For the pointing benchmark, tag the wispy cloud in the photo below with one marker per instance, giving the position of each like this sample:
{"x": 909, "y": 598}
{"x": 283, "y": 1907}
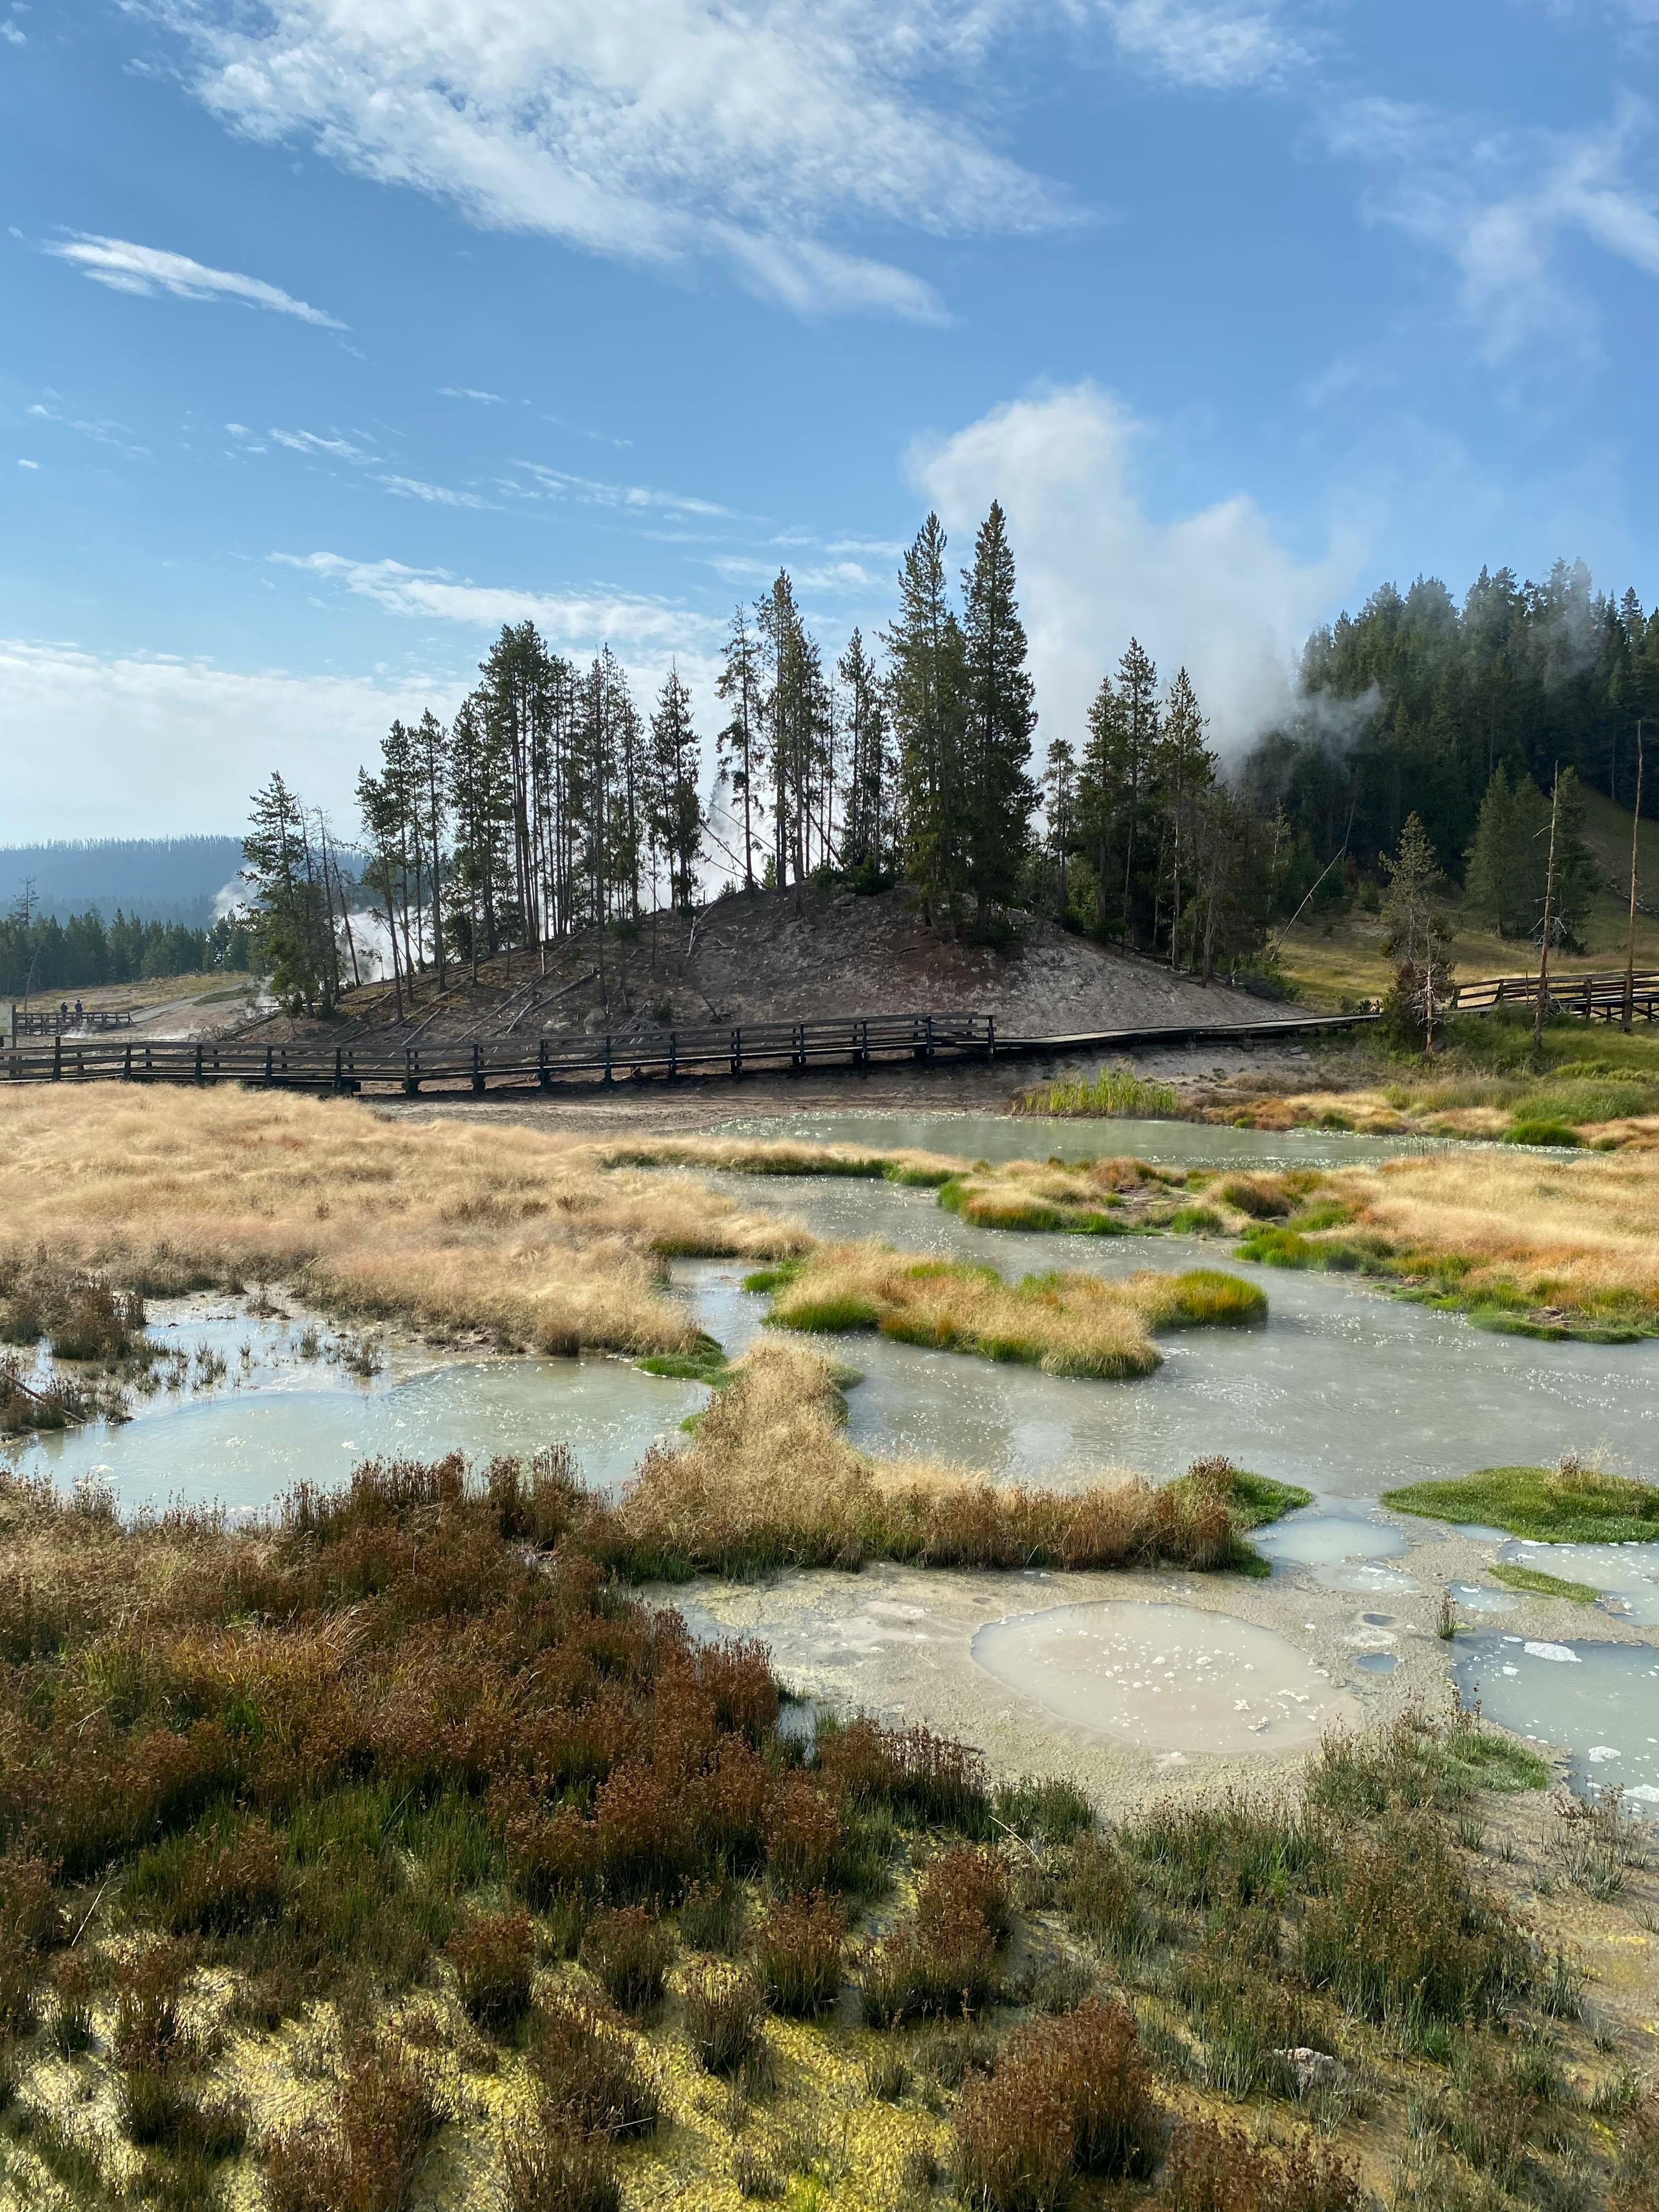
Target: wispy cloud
{"x": 102, "y": 432}
{"x": 584, "y": 619}
{"x": 466, "y": 392}
{"x": 1218, "y": 47}
{"x": 336, "y": 447}
{"x": 590, "y": 491}
{"x": 1504, "y": 207}
{"x": 434, "y": 495}
{"x": 665, "y": 131}
{"x": 147, "y": 271}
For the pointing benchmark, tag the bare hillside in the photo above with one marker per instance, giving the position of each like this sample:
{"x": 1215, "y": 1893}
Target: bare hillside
{"x": 784, "y": 956}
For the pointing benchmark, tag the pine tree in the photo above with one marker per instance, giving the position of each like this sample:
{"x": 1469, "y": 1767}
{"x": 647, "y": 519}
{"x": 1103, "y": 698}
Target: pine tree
{"x": 997, "y": 795}
{"x": 1416, "y": 935}
{"x": 293, "y": 924}
{"x": 926, "y": 688}
{"x": 742, "y": 744}
{"x": 1183, "y": 769}
{"x": 1060, "y": 815}
{"x": 678, "y": 821}
{"x": 869, "y": 826}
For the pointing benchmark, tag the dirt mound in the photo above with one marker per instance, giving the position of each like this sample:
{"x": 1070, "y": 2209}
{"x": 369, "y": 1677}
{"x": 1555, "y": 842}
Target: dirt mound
{"x": 795, "y": 957}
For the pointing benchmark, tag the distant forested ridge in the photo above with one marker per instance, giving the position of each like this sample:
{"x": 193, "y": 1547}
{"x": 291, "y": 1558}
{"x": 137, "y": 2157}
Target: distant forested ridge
{"x": 48, "y": 957}
{"x": 1414, "y": 704}
{"x": 148, "y": 878}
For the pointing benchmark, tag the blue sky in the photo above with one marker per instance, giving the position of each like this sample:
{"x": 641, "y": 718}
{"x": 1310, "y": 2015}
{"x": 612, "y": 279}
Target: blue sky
{"x": 335, "y": 332}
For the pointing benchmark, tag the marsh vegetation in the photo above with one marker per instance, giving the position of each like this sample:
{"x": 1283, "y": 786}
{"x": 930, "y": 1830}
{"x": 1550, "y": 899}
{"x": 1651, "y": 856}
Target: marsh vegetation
{"x": 392, "y": 1842}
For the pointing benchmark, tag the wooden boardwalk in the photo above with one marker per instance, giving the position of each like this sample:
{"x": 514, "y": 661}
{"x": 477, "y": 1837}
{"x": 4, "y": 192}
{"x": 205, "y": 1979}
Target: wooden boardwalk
{"x": 1597, "y": 996}
{"x": 855, "y": 1043}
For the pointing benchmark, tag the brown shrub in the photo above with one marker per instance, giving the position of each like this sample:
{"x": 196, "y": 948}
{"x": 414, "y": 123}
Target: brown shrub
{"x": 724, "y": 2014}
{"x": 494, "y": 1956}
{"x": 370, "y": 2158}
{"x": 798, "y": 1948}
{"x": 912, "y": 1771}
{"x": 803, "y": 1833}
{"x": 1213, "y": 2167}
{"x": 963, "y": 1878}
{"x": 629, "y": 1951}
{"x": 550, "y": 2169}
{"x": 148, "y": 2029}
{"x": 593, "y": 2079}
{"x": 1069, "y": 2095}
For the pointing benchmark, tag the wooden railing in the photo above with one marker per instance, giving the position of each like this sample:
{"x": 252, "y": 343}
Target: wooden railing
{"x": 1597, "y": 996}
{"x": 54, "y": 1020}
{"x": 725, "y": 1049}
{"x": 854, "y": 1041}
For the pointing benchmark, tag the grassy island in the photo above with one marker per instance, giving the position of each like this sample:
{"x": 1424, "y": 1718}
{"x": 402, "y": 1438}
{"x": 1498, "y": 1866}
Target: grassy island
{"x": 1566, "y": 1505}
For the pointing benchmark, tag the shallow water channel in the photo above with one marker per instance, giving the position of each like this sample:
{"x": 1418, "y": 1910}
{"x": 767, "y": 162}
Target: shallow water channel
{"x": 1345, "y": 1391}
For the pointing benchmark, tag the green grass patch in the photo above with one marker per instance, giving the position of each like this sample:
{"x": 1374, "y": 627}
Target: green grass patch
{"x": 1195, "y": 1221}
{"x": 1514, "y": 1576}
{"x": 1568, "y": 1504}
{"x": 1209, "y": 1297}
{"x": 706, "y": 1363}
{"x": 1255, "y": 1499}
{"x": 774, "y": 1278}
{"x": 1113, "y": 1091}
{"x": 1540, "y": 1133}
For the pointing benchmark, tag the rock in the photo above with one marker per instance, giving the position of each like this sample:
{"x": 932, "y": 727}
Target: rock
{"x": 1314, "y": 2069}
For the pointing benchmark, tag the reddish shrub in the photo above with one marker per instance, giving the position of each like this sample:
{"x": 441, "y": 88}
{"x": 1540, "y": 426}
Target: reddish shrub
{"x": 494, "y": 1956}
{"x": 723, "y": 2012}
{"x": 550, "y": 2169}
{"x": 593, "y": 2079}
{"x": 798, "y": 1948}
{"x": 629, "y": 1951}
{"x": 962, "y": 1880}
{"x": 1071, "y": 2094}
{"x": 803, "y": 1832}
{"x": 370, "y": 2159}
{"x": 1213, "y": 2167}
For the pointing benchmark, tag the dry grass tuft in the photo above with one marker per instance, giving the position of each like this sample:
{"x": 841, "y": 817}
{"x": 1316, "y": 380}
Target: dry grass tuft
{"x": 450, "y": 1225}
{"x": 1066, "y": 1324}
{"x": 769, "y": 1481}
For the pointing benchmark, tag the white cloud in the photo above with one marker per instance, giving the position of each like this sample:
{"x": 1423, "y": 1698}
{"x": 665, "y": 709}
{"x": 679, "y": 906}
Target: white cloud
{"x": 466, "y": 392}
{"x": 1215, "y": 591}
{"x": 12, "y": 35}
{"x": 665, "y": 131}
{"x": 82, "y": 734}
{"x": 312, "y": 441}
{"x": 102, "y": 432}
{"x": 1219, "y": 48}
{"x": 435, "y": 495}
{"x": 581, "y": 621}
{"x": 560, "y": 484}
{"x": 1504, "y": 207}
{"x": 147, "y": 270}
{"x": 28, "y": 464}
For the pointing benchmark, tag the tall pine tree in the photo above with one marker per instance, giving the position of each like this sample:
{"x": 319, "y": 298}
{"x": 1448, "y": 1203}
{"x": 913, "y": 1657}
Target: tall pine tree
{"x": 997, "y": 795}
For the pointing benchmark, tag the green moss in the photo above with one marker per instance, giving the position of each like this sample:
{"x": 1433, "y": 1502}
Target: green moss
{"x": 774, "y": 1278}
{"x": 1255, "y": 1499}
{"x": 828, "y": 1315}
{"x": 1571, "y": 1506}
{"x": 1515, "y": 1577}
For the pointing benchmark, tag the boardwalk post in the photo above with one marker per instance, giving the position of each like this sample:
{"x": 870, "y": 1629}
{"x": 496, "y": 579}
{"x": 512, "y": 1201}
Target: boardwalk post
{"x": 673, "y": 1053}
{"x": 58, "y": 1056}
{"x": 127, "y": 1064}
{"x": 990, "y": 1037}
{"x": 198, "y": 1062}
{"x": 607, "y": 1061}
{"x": 737, "y": 1052}
{"x": 411, "y": 1074}
{"x": 339, "y": 1070}
{"x": 267, "y": 1064}
{"x": 544, "y": 1073}
{"x": 478, "y": 1067}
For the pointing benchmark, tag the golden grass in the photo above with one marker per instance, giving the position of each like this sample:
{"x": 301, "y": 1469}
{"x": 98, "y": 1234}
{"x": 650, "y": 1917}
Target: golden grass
{"x": 1064, "y": 1323}
{"x": 770, "y": 1481}
{"x": 453, "y": 1226}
